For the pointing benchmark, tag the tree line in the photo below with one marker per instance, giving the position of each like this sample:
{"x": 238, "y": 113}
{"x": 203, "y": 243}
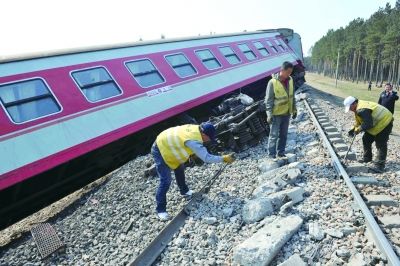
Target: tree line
{"x": 363, "y": 51}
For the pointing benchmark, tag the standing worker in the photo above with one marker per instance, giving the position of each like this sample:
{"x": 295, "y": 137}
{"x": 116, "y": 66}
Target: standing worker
{"x": 280, "y": 104}
{"x": 172, "y": 149}
{"x": 369, "y": 85}
{"x": 376, "y": 122}
{"x": 388, "y": 98}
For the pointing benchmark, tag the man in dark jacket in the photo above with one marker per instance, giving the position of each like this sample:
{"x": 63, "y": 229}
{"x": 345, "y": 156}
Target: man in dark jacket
{"x": 388, "y": 97}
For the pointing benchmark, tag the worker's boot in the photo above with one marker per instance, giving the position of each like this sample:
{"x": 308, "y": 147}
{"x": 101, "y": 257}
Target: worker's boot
{"x": 379, "y": 166}
{"x": 380, "y": 161}
{"x": 367, "y": 155}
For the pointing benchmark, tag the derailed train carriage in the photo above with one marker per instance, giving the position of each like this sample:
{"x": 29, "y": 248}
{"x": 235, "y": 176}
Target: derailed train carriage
{"x": 68, "y": 118}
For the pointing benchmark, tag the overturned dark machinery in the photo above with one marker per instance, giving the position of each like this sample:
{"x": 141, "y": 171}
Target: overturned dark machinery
{"x": 242, "y": 127}
{"x": 239, "y": 126}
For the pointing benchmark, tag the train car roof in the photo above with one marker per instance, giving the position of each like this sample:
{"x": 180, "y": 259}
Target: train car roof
{"x": 286, "y": 32}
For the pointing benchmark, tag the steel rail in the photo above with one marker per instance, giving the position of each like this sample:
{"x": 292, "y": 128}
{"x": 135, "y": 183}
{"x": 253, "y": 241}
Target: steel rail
{"x": 380, "y": 239}
{"x": 149, "y": 255}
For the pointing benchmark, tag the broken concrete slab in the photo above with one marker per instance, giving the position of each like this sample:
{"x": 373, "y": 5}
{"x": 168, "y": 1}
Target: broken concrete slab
{"x": 298, "y": 165}
{"x": 291, "y": 157}
{"x": 294, "y": 260}
{"x": 356, "y": 168}
{"x": 271, "y": 174}
{"x": 267, "y": 165}
{"x": 390, "y": 221}
{"x": 288, "y": 177}
{"x": 292, "y": 175}
{"x": 262, "y": 247}
{"x": 357, "y": 260}
{"x": 336, "y": 140}
{"x": 281, "y": 179}
{"x": 365, "y": 180}
{"x": 351, "y": 156}
{"x": 334, "y": 233}
{"x": 256, "y": 209}
{"x": 315, "y": 231}
{"x": 265, "y": 189}
{"x": 348, "y": 230}
{"x": 333, "y": 134}
{"x": 279, "y": 198}
{"x": 339, "y": 147}
{"x": 375, "y": 200}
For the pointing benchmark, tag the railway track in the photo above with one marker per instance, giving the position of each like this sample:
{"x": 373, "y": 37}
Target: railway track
{"x": 322, "y": 123}
{"x": 150, "y": 241}
{"x": 154, "y": 249}
{"x": 150, "y": 254}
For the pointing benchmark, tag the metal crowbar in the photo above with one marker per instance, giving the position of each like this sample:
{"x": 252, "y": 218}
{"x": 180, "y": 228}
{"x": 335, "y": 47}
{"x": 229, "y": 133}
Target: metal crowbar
{"x": 351, "y": 144}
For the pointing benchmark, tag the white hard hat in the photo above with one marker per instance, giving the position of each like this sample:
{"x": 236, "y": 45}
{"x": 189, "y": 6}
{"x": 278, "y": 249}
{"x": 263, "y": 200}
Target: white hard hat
{"x": 347, "y": 102}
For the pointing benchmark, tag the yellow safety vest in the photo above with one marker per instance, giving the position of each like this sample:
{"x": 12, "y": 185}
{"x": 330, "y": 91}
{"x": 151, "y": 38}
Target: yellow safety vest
{"x": 283, "y": 103}
{"x": 381, "y": 117}
{"x": 171, "y": 143}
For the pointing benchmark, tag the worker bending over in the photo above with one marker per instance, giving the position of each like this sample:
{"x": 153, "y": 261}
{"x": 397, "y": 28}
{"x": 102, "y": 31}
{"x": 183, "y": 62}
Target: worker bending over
{"x": 172, "y": 149}
{"x": 376, "y": 122}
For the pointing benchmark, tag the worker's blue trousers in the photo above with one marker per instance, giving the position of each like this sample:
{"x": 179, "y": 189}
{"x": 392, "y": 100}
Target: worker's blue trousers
{"x": 164, "y": 173}
{"x": 278, "y": 135}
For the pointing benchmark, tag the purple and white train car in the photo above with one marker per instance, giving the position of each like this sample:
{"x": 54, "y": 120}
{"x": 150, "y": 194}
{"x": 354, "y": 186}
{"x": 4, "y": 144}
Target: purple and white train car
{"x": 67, "y": 118}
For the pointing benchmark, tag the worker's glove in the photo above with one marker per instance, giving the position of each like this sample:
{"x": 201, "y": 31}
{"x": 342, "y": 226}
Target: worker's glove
{"x": 351, "y": 132}
{"x": 229, "y": 158}
{"x": 294, "y": 115}
{"x": 269, "y": 120}
{"x": 357, "y": 130}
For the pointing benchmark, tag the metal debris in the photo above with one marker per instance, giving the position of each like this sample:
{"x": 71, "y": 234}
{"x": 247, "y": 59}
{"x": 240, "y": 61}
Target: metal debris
{"x": 46, "y": 239}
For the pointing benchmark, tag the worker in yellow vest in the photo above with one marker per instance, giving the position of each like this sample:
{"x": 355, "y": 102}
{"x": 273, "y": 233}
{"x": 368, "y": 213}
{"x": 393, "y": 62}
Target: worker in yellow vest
{"x": 280, "y": 105}
{"x": 376, "y": 122}
{"x": 172, "y": 149}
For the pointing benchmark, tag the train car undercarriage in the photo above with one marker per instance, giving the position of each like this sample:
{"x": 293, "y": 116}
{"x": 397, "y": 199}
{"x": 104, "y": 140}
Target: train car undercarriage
{"x": 237, "y": 129}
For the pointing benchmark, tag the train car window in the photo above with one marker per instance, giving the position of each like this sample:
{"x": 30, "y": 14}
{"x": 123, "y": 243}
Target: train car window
{"x": 282, "y": 44}
{"x": 145, "y": 73}
{"x": 260, "y": 47}
{"x": 96, "y": 84}
{"x": 208, "y": 59}
{"x": 181, "y": 65}
{"x": 247, "y": 51}
{"x": 272, "y": 46}
{"x": 230, "y": 55}
{"x": 28, "y": 100}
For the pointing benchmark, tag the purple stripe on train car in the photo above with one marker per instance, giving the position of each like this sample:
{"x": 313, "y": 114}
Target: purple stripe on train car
{"x": 49, "y": 162}
{"x": 73, "y": 101}
{"x": 122, "y": 100}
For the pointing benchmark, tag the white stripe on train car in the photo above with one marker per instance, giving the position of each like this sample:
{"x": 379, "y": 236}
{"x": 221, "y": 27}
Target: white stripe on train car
{"x": 18, "y": 67}
{"x": 33, "y": 146}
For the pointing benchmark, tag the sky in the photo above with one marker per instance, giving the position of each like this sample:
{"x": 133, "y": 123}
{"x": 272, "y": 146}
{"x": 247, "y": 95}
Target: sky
{"x": 30, "y": 26}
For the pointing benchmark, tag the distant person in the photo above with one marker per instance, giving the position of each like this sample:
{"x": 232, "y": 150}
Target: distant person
{"x": 280, "y": 104}
{"x": 376, "y": 122}
{"x": 369, "y": 85}
{"x": 388, "y": 97}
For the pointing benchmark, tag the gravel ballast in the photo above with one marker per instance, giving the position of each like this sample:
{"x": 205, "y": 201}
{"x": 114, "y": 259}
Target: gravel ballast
{"x": 115, "y": 222}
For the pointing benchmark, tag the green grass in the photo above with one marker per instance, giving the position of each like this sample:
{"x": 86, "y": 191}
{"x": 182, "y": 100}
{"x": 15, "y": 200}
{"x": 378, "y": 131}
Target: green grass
{"x": 346, "y": 88}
